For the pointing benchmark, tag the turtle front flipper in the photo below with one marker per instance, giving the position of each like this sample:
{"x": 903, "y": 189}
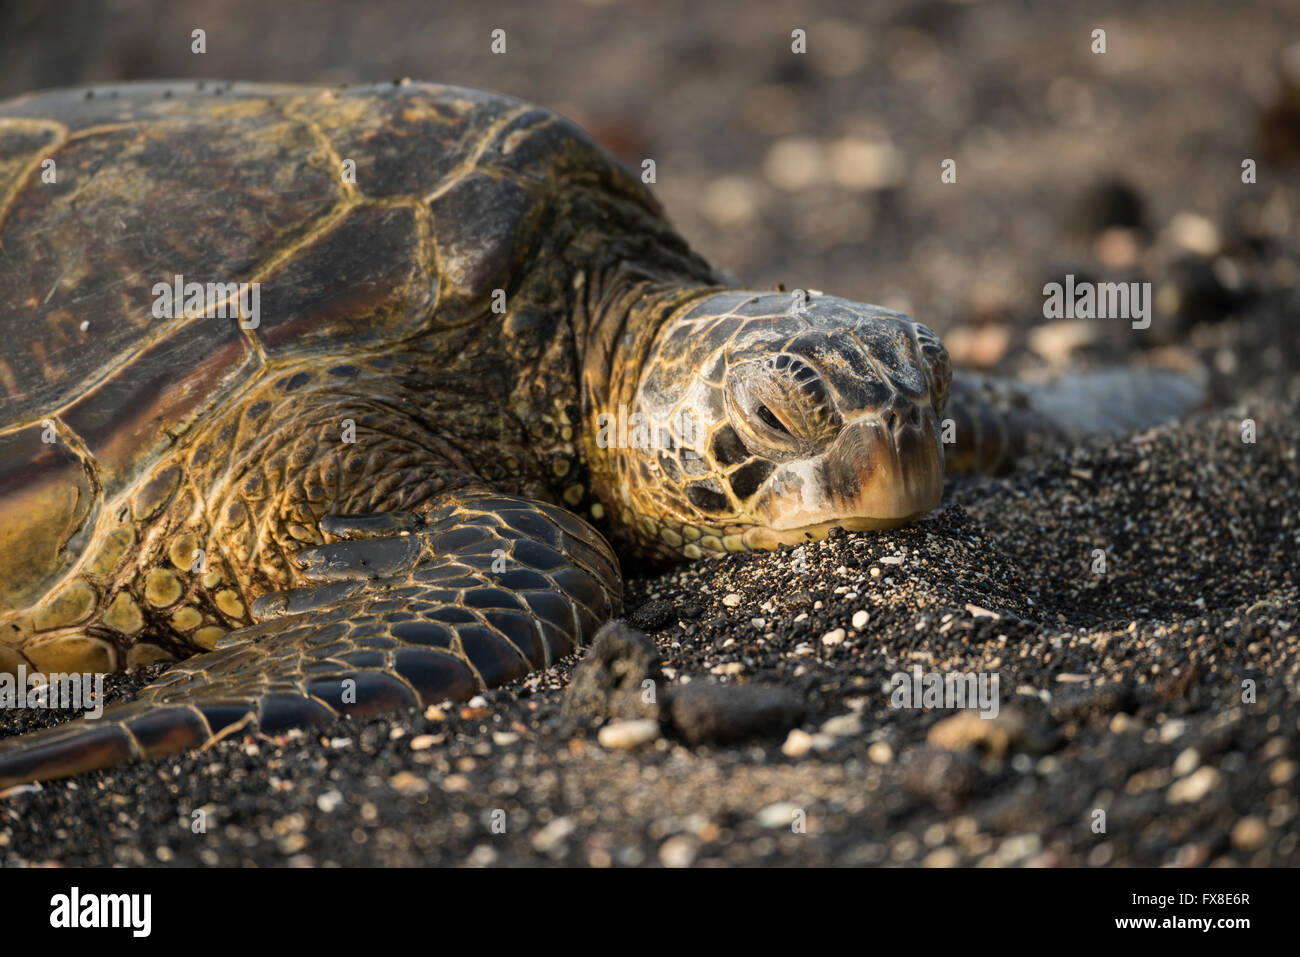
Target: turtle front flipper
{"x": 405, "y": 611}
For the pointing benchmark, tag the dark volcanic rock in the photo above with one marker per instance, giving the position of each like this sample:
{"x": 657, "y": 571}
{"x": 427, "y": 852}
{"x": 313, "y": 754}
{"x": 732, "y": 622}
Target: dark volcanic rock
{"x": 609, "y": 683}
{"x": 945, "y": 778}
{"x": 709, "y": 713}
{"x": 1096, "y": 704}
{"x": 654, "y": 615}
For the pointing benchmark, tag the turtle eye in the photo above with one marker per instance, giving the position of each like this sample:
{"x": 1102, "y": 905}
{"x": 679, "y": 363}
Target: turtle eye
{"x": 770, "y": 420}
{"x": 779, "y": 407}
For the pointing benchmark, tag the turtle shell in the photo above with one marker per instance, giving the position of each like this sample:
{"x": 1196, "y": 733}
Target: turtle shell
{"x": 367, "y": 216}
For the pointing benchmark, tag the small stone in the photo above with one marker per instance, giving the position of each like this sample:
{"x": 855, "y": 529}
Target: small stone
{"x": 1187, "y": 762}
{"x": 705, "y": 712}
{"x": 731, "y": 600}
{"x": 553, "y": 834}
{"x": 967, "y": 729}
{"x": 880, "y": 753}
{"x": 797, "y": 744}
{"x": 781, "y": 814}
{"x": 329, "y": 802}
{"x": 610, "y": 681}
{"x": 860, "y": 619}
{"x": 1249, "y": 834}
{"x": 1281, "y": 772}
{"x": 654, "y": 615}
{"x": 1195, "y": 233}
{"x": 293, "y": 843}
{"x": 835, "y": 637}
{"x": 677, "y": 851}
{"x": 1172, "y": 730}
{"x": 404, "y": 782}
{"x": 943, "y": 857}
{"x": 1102, "y": 702}
{"x": 1017, "y": 848}
{"x": 626, "y": 735}
{"x": 422, "y": 742}
{"x": 1193, "y": 788}
{"x": 843, "y": 725}
{"x": 945, "y": 778}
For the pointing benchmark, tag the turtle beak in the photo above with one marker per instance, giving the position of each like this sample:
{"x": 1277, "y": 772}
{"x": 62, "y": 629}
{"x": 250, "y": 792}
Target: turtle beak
{"x": 881, "y": 470}
{"x": 888, "y": 467}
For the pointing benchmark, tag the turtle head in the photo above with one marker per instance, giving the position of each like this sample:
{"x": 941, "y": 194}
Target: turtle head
{"x": 761, "y": 419}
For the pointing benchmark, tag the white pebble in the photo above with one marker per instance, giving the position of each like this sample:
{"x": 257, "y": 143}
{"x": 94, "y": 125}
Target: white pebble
{"x": 797, "y": 744}
{"x": 860, "y": 619}
{"x": 678, "y": 851}
{"x": 553, "y": 834}
{"x": 1191, "y": 789}
{"x": 731, "y": 600}
{"x": 835, "y": 637}
{"x": 628, "y": 734}
{"x": 781, "y": 814}
{"x": 1187, "y": 762}
{"x": 1172, "y": 730}
{"x": 843, "y": 725}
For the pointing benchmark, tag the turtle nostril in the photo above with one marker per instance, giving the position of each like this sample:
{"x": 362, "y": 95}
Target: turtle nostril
{"x": 899, "y": 419}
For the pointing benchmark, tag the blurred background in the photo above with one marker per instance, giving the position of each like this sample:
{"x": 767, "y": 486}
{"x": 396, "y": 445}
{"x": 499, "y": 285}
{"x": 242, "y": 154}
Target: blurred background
{"x": 822, "y": 170}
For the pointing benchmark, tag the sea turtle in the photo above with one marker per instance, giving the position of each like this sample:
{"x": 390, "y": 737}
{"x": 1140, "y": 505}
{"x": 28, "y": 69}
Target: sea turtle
{"x": 372, "y": 477}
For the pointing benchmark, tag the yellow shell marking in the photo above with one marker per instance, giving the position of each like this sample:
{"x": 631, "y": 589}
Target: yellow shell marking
{"x": 123, "y": 615}
{"x": 162, "y": 588}
{"x": 71, "y": 605}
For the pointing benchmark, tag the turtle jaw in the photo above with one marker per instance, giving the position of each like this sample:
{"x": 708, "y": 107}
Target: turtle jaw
{"x": 764, "y": 538}
{"x": 880, "y": 473}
